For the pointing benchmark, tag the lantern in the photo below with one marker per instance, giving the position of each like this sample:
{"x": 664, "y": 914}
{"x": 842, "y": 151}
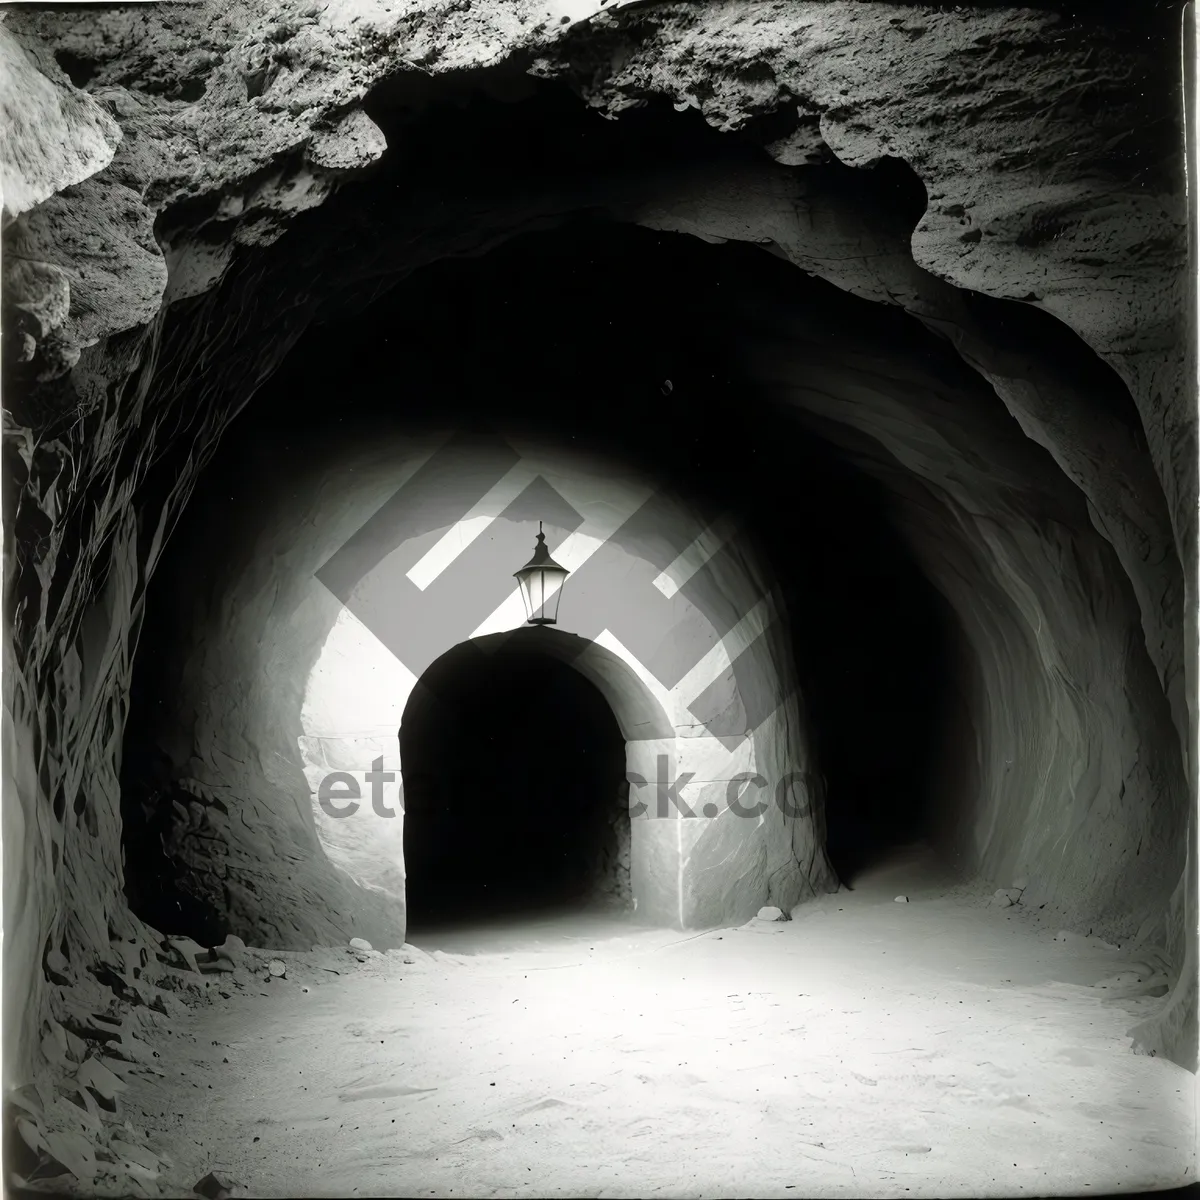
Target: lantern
{"x": 541, "y": 580}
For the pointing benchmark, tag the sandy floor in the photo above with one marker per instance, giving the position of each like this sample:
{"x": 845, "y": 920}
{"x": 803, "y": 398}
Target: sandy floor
{"x": 864, "y": 1048}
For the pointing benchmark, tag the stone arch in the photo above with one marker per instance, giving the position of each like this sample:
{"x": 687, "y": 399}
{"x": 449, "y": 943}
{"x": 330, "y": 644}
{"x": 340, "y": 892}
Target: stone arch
{"x": 645, "y": 724}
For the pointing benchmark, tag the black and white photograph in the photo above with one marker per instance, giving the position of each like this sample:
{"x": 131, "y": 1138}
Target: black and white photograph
{"x": 600, "y": 598}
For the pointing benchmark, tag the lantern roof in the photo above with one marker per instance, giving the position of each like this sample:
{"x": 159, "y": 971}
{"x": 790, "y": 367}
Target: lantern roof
{"x": 541, "y": 559}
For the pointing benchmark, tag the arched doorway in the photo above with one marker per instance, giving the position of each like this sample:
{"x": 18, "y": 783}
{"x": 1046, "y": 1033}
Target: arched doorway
{"x": 514, "y": 772}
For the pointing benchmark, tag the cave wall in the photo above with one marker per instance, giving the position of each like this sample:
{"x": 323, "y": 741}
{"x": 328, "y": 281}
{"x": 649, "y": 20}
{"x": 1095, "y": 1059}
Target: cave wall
{"x": 220, "y": 704}
{"x": 232, "y": 121}
{"x": 1077, "y": 781}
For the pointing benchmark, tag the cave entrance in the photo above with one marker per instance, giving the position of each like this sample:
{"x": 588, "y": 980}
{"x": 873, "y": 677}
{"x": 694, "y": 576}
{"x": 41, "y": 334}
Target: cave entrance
{"x": 515, "y": 796}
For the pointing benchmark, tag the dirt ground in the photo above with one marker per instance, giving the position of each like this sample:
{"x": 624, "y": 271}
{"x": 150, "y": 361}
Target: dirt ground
{"x": 937, "y": 1047}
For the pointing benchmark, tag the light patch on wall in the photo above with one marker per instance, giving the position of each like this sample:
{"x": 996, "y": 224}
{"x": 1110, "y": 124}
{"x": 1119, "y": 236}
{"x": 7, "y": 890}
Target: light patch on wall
{"x": 357, "y": 688}
{"x": 353, "y": 702}
{"x": 367, "y": 844}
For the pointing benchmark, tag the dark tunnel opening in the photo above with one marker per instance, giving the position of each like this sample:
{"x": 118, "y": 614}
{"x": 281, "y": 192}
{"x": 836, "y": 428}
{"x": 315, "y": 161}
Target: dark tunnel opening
{"x": 876, "y": 661}
{"x": 513, "y": 770}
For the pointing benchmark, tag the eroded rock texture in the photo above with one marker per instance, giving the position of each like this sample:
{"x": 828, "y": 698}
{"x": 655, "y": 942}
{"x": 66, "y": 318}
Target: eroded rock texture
{"x": 205, "y": 181}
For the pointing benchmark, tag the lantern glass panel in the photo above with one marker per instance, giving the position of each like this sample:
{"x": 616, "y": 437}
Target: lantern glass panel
{"x": 541, "y": 591}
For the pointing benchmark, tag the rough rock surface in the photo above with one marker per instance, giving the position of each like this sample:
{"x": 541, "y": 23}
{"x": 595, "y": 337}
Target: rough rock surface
{"x": 134, "y": 269}
{"x": 56, "y": 136}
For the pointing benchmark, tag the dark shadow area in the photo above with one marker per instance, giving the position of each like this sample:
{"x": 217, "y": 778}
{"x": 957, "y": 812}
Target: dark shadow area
{"x": 513, "y": 771}
{"x": 159, "y": 887}
{"x": 873, "y": 645}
